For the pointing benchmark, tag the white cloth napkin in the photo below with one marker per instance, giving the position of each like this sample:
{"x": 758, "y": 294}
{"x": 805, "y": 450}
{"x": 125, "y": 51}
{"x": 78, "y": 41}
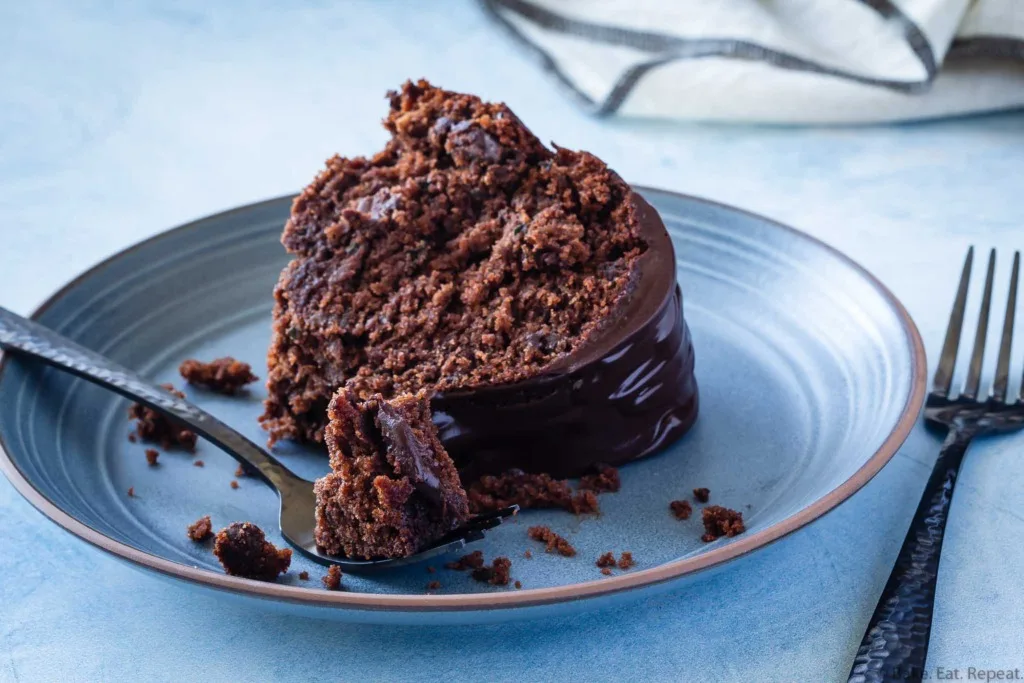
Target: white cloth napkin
{"x": 784, "y": 61}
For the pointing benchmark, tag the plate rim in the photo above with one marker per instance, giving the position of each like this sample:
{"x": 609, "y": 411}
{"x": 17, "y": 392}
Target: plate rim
{"x": 529, "y": 597}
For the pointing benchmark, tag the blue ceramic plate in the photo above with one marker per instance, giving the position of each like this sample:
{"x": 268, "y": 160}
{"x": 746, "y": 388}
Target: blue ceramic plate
{"x": 811, "y": 376}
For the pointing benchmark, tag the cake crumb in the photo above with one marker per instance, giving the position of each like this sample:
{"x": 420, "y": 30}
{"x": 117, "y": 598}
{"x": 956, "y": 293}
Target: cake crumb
{"x": 515, "y": 487}
{"x": 606, "y": 560}
{"x": 681, "y": 509}
{"x": 243, "y": 550}
{"x": 201, "y": 529}
{"x": 304, "y": 576}
{"x": 223, "y": 375}
{"x": 607, "y": 571}
{"x": 538, "y": 491}
{"x": 198, "y": 463}
{"x": 475, "y": 560}
{"x": 721, "y": 521}
{"x": 131, "y": 491}
{"x": 702, "y": 495}
{"x": 553, "y": 542}
{"x": 234, "y": 484}
{"x": 433, "y": 585}
{"x": 498, "y": 574}
{"x": 132, "y": 437}
{"x": 430, "y": 570}
{"x": 585, "y": 503}
{"x": 528, "y": 555}
{"x": 605, "y": 480}
{"x": 626, "y": 561}
{"x": 151, "y": 456}
{"x": 240, "y": 471}
{"x": 518, "y": 584}
{"x": 332, "y": 580}
{"x": 154, "y": 427}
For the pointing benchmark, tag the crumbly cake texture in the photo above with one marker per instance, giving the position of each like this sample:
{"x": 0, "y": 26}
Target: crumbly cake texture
{"x": 474, "y": 560}
{"x": 463, "y": 254}
{"x": 721, "y": 521}
{"x": 393, "y": 489}
{"x": 499, "y": 573}
{"x": 332, "y": 580}
{"x": 201, "y": 529}
{"x": 527, "y": 490}
{"x": 553, "y": 543}
{"x": 223, "y": 375}
{"x": 606, "y": 560}
{"x": 681, "y": 509}
{"x": 626, "y": 561}
{"x": 154, "y": 427}
{"x": 605, "y": 480}
{"x": 244, "y": 550}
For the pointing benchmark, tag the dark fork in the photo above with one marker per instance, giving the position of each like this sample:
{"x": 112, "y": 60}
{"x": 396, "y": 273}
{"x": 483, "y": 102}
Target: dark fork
{"x": 295, "y": 493}
{"x": 895, "y": 645}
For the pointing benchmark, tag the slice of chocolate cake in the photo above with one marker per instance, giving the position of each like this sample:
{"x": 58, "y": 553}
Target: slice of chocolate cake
{"x": 530, "y": 289}
{"x": 393, "y": 489}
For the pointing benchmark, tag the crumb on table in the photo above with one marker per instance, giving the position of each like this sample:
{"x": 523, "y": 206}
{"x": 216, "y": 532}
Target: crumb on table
{"x": 234, "y": 484}
{"x": 131, "y": 491}
{"x": 702, "y": 495}
{"x": 681, "y": 509}
{"x": 606, "y": 560}
{"x": 223, "y": 375}
{"x": 151, "y": 456}
{"x": 304, "y": 576}
{"x": 607, "y": 571}
{"x": 201, "y": 529}
{"x": 528, "y": 555}
{"x": 433, "y": 585}
{"x": 198, "y": 463}
{"x": 518, "y": 584}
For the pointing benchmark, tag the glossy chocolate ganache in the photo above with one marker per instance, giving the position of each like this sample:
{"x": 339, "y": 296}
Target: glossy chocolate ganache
{"x": 531, "y": 291}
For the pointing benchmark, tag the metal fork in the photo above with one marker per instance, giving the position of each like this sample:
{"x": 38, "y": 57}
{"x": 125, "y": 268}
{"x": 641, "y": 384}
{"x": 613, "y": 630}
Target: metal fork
{"x": 895, "y": 645}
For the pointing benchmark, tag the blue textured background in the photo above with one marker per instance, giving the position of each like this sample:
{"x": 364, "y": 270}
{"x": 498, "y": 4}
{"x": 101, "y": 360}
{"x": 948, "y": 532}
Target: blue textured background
{"x": 117, "y": 122}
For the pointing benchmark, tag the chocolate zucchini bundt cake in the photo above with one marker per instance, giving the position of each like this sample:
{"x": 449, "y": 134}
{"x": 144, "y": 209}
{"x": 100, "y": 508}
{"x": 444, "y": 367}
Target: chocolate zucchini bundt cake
{"x": 530, "y": 292}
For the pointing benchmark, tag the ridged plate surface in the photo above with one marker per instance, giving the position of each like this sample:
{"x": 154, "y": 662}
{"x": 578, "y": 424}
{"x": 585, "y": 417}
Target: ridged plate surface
{"x": 811, "y": 374}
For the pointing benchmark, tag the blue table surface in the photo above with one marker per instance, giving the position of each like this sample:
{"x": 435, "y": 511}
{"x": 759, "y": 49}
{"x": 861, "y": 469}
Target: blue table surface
{"x": 117, "y": 122}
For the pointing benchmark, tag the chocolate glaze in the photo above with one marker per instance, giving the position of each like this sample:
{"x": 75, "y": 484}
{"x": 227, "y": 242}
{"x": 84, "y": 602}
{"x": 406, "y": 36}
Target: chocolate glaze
{"x": 627, "y": 393}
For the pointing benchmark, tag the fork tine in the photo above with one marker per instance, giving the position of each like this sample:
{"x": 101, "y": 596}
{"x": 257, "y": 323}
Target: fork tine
{"x": 947, "y": 361}
{"x": 1002, "y": 380}
{"x": 974, "y": 371}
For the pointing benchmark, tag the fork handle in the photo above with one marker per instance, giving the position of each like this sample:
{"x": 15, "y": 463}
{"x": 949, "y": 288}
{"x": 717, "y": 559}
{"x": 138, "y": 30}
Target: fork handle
{"x": 32, "y": 339}
{"x": 896, "y": 642}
